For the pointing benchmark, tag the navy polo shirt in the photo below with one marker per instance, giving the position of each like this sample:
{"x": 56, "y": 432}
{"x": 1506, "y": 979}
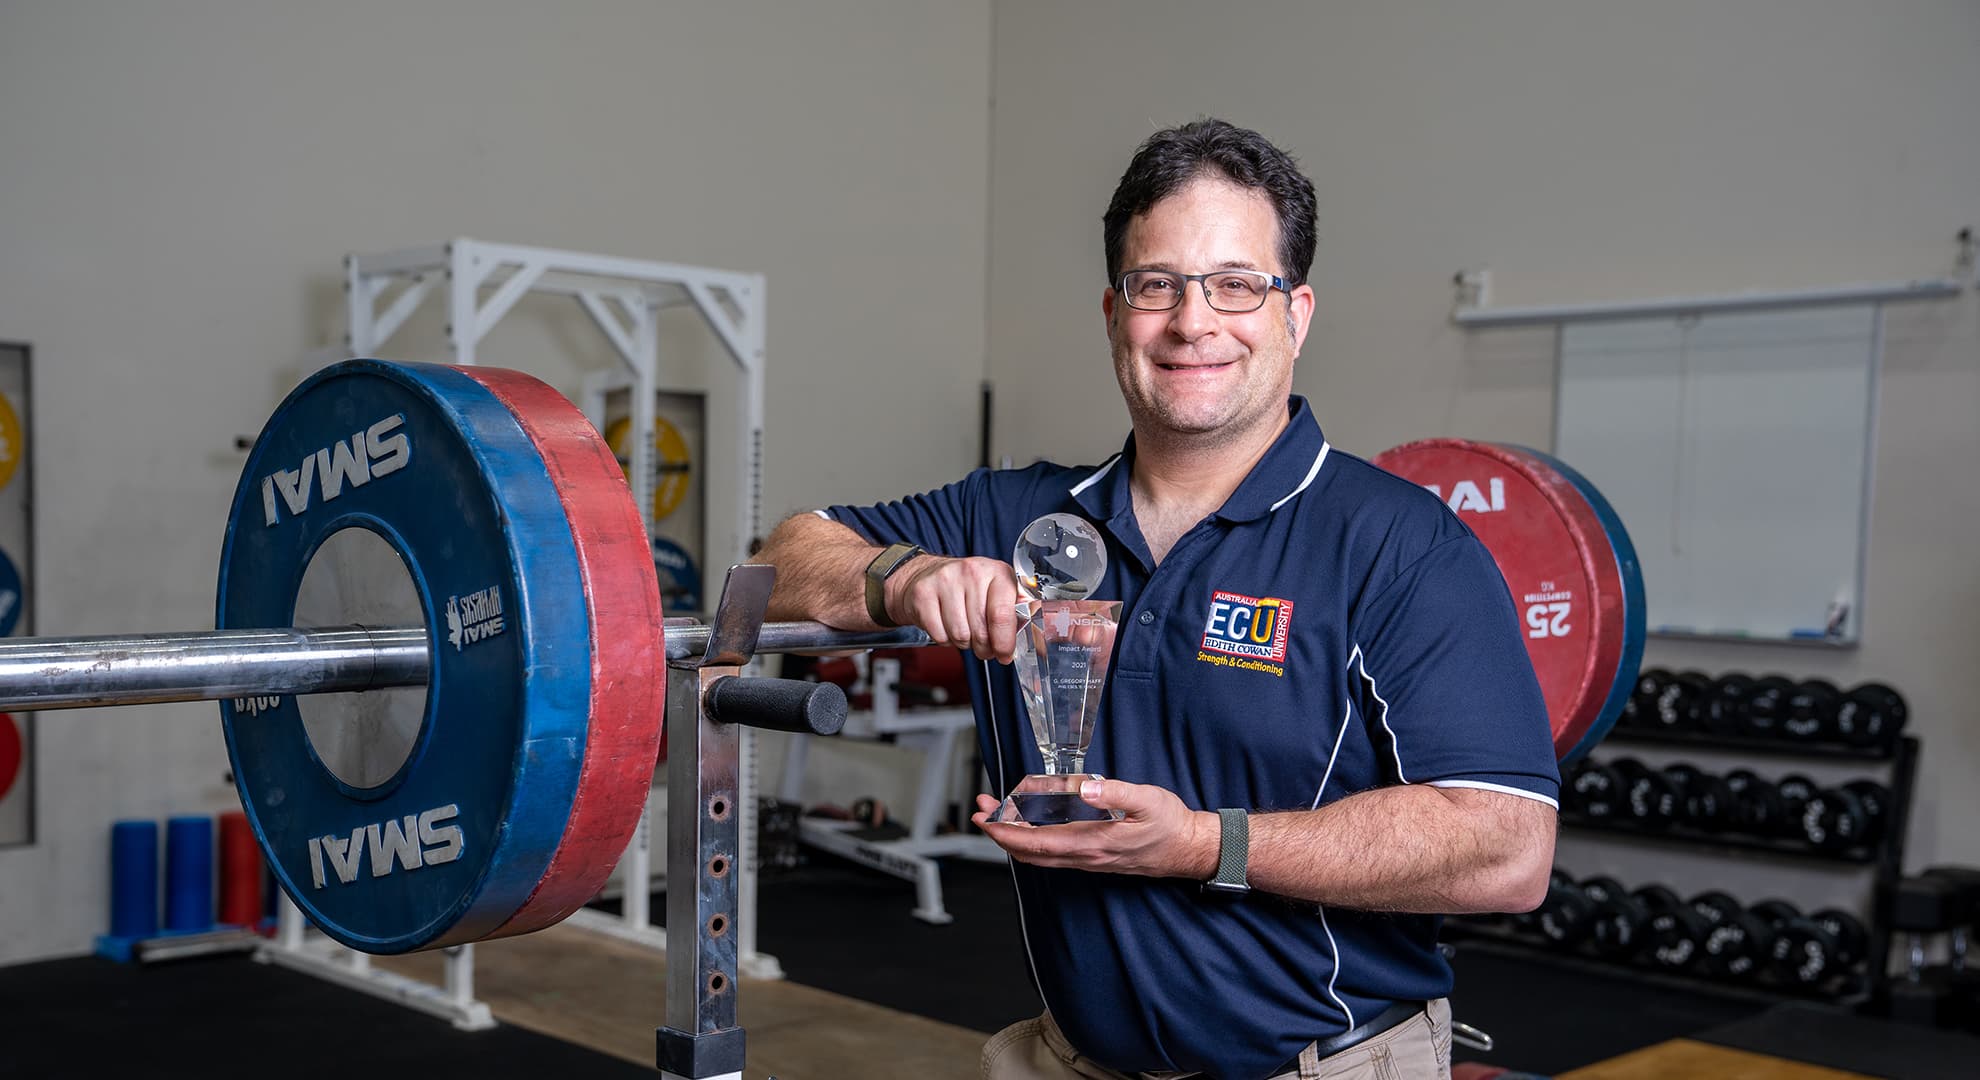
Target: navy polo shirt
{"x": 1331, "y": 629}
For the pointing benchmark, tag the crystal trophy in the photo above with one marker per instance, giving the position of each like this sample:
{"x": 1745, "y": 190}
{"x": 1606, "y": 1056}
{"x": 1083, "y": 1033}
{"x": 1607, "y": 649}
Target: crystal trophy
{"x": 1065, "y": 643}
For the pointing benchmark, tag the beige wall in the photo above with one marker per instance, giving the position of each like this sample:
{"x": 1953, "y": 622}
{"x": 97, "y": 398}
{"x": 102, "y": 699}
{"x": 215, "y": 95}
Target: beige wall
{"x": 1583, "y": 152}
{"x": 179, "y": 184}
{"x": 176, "y": 191}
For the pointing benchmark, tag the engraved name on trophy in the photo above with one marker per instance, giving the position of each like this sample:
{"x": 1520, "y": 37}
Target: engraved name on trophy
{"x": 1064, "y": 646}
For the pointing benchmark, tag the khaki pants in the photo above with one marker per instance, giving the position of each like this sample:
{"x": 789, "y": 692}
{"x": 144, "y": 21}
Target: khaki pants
{"x": 1416, "y": 1049}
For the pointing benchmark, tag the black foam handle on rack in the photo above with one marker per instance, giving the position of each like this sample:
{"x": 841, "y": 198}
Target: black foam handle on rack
{"x": 808, "y": 708}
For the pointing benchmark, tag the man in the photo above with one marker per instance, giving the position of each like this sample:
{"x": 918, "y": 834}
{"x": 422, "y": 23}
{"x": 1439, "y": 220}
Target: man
{"x": 1311, "y": 645}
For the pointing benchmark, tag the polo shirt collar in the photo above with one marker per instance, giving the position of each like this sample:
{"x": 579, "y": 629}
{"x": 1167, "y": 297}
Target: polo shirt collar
{"x": 1288, "y": 468}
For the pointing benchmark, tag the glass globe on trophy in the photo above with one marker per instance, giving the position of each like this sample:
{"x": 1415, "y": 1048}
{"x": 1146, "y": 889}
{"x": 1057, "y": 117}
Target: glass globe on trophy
{"x": 1064, "y": 646}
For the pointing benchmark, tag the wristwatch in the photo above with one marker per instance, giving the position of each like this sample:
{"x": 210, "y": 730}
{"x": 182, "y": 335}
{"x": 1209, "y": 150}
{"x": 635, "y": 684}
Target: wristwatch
{"x": 1234, "y": 845}
{"x": 878, "y": 571}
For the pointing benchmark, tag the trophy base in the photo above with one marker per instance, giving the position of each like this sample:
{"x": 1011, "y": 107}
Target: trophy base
{"x": 1051, "y": 800}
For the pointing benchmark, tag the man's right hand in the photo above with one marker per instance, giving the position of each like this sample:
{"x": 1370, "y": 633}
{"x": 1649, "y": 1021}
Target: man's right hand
{"x": 965, "y": 603}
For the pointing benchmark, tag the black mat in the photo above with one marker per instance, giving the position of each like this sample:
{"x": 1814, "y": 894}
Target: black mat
{"x": 1844, "y": 1040}
{"x": 226, "y": 1017}
{"x": 1548, "y": 1017}
{"x": 851, "y": 931}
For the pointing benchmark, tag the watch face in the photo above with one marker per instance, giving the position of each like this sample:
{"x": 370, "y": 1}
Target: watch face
{"x": 1228, "y": 888}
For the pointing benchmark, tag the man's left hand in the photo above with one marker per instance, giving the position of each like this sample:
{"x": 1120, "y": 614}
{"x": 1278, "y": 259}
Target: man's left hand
{"x": 1157, "y": 836}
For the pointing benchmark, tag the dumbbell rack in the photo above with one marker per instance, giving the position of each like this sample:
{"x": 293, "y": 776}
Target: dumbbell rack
{"x": 1882, "y": 859}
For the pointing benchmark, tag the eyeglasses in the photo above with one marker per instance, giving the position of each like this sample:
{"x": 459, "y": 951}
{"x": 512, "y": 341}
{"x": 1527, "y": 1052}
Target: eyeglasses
{"x": 1233, "y": 292}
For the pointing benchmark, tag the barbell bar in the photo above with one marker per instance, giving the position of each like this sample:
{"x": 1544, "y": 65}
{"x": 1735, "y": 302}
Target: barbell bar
{"x": 39, "y": 674}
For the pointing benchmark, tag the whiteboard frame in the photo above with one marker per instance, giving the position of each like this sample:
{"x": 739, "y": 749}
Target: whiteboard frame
{"x": 1853, "y": 624}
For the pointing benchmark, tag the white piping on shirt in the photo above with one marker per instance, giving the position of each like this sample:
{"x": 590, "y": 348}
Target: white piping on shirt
{"x": 1395, "y": 747}
{"x": 1310, "y": 474}
{"x": 1097, "y": 474}
{"x": 1501, "y": 788}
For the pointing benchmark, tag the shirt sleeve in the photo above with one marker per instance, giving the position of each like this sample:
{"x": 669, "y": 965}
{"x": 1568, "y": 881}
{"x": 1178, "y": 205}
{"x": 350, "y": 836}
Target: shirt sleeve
{"x": 1446, "y": 673}
{"x": 937, "y": 520}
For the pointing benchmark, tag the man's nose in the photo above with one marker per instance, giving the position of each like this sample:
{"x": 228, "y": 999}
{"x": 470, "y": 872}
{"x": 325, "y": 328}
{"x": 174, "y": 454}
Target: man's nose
{"x": 1193, "y": 317}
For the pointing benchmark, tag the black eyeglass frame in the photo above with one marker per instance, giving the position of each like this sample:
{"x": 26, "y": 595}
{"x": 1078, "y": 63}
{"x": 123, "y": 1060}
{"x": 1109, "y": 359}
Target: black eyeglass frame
{"x": 1273, "y": 281}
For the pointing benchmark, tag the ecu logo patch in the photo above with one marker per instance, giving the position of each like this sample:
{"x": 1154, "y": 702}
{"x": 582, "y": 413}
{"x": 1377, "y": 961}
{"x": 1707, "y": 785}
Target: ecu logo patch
{"x": 1247, "y": 631}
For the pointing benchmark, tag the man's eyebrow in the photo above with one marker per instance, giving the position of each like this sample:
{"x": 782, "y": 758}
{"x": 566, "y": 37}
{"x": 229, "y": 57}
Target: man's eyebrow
{"x": 1170, "y": 268}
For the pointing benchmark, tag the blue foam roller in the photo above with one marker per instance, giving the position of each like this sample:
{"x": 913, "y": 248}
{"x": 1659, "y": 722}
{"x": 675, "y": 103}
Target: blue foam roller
{"x": 134, "y": 879}
{"x": 189, "y": 874}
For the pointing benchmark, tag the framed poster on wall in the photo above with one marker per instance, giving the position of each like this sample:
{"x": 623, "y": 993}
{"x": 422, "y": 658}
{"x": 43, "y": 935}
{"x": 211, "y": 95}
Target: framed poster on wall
{"x": 16, "y": 563}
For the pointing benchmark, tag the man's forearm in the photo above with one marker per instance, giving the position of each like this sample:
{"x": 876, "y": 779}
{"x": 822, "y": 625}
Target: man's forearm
{"x": 819, "y": 564}
{"x": 1408, "y": 848}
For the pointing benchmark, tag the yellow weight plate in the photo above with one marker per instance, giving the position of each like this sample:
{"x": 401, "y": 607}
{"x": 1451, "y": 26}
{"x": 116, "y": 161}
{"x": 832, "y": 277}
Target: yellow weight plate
{"x": 11, "y": 447}
{"x": 672, "y": 469}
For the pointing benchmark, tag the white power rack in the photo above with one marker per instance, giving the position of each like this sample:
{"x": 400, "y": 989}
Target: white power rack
{"x": 479, "y": 283}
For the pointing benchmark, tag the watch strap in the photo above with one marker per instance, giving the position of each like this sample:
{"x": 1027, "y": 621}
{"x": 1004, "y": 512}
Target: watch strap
{"x": 1233, "y": 849}
{"x": 892, "y": 558}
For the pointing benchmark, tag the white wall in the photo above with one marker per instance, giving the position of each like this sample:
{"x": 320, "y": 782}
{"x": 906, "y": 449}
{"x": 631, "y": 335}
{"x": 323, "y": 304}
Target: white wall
{"x": 1583, "y": 152}
{"x": 180, "y": 183}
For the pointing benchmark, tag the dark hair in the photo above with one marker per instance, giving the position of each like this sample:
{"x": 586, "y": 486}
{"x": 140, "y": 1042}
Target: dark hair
{"x": 1173, "y": 157}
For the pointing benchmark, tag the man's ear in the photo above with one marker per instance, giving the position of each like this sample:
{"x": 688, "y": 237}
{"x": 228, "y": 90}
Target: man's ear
{"x": 1301, "y": 310}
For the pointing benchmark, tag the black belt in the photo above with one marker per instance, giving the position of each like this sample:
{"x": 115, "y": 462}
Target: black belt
{"x": 1388, "y": 1018}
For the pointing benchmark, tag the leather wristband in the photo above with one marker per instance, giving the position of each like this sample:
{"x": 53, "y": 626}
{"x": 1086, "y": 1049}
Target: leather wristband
{"x": 878, "y": 571}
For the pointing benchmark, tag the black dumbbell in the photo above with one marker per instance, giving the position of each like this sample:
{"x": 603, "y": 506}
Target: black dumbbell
{"x": 1725, "y": 709}
{"x": 1640, "y": 710}
{"x": 1834, "y": 819}
{"x": 1739, "y": 942}
{"x": 1676, "y": 935}
{"x": 1681, "y": 701}
{"x": 1876, "y": 800}
{"x": 1793, "y": 792}
{"x": 1852, "y": 940}
{"x": 1766, "y": 706}
{"x": 1620, "y": 920}
{"x": 1705, "y": 800}
{"x": 1811, "y": 710}
{"x": 1756, "y": 805}
{"x": 1564, "y": 918}
{"x": 1594, "y": 790}
{"x": 1650, "y": 798}
{"x": 1871, "y": 714}
{"x": 1803, "y": 953}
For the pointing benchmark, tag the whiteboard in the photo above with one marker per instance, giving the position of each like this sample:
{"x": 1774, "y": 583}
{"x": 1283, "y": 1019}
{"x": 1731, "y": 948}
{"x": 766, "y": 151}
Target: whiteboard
{"x": 1736, "y": 449}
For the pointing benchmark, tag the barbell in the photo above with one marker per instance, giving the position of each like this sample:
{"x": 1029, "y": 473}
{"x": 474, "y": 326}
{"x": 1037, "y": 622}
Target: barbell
{"x": 441, "y": 658}
{"x": 439, "y": 652}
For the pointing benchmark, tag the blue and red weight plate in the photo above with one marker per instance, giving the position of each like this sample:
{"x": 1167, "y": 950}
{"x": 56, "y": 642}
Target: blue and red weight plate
{"x": 534, "y": 755}
{"x": 1568, "y": 562}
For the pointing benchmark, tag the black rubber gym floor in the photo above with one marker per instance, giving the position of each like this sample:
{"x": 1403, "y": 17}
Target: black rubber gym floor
{"x": 228, "y": 1017}
{"x": 850, "y": 931}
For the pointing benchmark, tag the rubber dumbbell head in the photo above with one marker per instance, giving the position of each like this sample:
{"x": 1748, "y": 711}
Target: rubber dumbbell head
{"x": 1870, "y": 715}
{"x": 1675, "y": 937}
{"x": 1619, "y": 920}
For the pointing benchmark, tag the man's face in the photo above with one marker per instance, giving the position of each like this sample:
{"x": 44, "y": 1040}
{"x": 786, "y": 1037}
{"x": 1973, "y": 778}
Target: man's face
{"x": 1194, "y": 371}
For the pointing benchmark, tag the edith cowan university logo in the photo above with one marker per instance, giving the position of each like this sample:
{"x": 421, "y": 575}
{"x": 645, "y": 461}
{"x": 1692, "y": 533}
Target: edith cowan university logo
{"x": 1247, "y": 632}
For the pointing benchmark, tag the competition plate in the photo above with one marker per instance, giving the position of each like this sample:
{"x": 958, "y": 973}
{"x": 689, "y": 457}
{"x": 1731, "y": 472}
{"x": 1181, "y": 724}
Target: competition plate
{"x": 10, "y": 753}
{"x": 10, "y": 595}
{"x": 1635, "y": 619}
{"x": 628, "y": 653}
{"x": 1561, "y": 565}
{"x": 453, "y": 843}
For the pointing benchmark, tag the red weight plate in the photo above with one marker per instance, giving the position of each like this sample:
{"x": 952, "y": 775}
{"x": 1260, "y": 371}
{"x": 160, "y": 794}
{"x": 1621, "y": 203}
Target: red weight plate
{"x": 10, "y": 753}
{"x": 628, "y": 654}
{"x": 1556, "y": 558}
